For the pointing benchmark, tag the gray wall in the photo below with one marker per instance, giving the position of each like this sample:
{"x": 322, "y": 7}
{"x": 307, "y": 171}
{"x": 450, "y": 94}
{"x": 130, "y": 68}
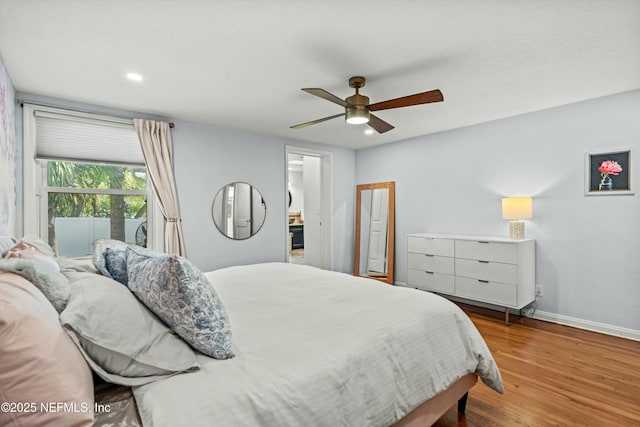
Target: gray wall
{"x": 588, "y": 248}
{"x": 205, "y": 159}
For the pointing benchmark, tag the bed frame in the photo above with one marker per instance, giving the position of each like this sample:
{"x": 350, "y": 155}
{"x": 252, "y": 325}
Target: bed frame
{"x": 433, "y": 409}
{"x": 122, "y": 405}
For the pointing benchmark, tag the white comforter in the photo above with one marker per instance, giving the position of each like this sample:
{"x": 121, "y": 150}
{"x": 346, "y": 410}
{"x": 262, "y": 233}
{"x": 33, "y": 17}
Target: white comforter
{"x": 319, "y": 348}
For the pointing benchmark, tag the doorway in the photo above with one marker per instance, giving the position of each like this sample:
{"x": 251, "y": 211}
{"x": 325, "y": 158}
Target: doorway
{"x": 309, "y": 207}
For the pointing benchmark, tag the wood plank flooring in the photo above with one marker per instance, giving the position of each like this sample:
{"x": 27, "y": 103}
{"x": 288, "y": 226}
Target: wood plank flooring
{"x": 553, "y": 375}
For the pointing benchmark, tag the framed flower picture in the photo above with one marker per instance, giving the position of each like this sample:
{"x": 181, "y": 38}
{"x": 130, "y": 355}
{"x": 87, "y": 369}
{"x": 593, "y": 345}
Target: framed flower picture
{"x": 608, "y": 173}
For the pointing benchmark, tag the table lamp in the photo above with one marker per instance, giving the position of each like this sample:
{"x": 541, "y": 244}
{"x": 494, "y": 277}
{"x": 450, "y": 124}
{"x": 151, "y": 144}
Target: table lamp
{"x": 517, "y": 208}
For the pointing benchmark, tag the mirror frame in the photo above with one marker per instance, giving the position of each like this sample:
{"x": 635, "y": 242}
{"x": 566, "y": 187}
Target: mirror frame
{"x": 391, "y": 185}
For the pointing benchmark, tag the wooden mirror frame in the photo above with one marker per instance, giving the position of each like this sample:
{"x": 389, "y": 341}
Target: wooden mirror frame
{"x": 390, "y": 185}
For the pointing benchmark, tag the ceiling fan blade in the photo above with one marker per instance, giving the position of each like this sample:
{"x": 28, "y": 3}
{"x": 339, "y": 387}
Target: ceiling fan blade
{"x": 406, "y": 101}
{"x": 313, "y": 122}
{"x": 326, "y": 95}
{"x": 378, "y": 124}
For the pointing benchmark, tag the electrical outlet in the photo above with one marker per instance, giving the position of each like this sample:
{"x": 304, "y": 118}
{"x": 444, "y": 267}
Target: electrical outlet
{"x": 539, "y": 292}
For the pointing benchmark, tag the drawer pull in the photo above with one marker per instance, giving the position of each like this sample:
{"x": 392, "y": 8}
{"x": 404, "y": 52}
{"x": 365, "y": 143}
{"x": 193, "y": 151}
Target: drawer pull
{"x": 484, "y": 262}
{"x": 429, "y": 255}
{"x": 429, "y": 272}
{"x": 483, "y": 281}
{"x": 483, "y": 241}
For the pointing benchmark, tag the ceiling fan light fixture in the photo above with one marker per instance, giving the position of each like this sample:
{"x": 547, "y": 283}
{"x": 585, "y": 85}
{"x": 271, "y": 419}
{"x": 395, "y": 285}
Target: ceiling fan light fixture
{"x": 357, "y": 107}
{"x": 357, "y": 115}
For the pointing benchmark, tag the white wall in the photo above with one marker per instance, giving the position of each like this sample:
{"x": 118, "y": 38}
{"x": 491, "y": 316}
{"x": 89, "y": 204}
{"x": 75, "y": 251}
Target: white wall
{"x": 297, "y": 191}
{"x": 588, "y": 248}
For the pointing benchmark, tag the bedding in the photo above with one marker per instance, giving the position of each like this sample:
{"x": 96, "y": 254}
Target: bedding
{"x": 33, "y": 259}
{"x": 6, "y": 243}
{"x": 115, "y": 406}
{"x": 321, "y": 348}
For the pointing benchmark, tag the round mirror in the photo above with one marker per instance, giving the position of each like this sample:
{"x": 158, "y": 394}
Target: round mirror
{"x": 238, "y": 210}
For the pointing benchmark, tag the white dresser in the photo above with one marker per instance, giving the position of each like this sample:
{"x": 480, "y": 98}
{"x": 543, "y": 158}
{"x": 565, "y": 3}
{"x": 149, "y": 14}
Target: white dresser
{"x": 495, "y": 270}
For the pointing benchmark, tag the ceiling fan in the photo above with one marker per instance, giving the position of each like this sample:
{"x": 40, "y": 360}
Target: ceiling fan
{"x": 357, "y": 109}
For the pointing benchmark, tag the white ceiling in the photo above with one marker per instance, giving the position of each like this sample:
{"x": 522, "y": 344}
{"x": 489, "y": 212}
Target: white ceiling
{"x": 241, "y": 64}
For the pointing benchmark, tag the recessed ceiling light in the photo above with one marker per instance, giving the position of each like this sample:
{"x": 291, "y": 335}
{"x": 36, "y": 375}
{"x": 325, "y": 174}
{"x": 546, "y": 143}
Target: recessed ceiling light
{"x": 368, "y": 132}
{"x": 134, "y": 77}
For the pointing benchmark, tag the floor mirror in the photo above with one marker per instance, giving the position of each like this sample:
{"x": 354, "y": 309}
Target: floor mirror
{"x": 375, "y": 231}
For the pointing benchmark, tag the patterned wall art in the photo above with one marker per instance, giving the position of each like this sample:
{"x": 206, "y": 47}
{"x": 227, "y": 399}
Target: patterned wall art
{"x": 7, "y": 154}
{"x": 608, "y": 173}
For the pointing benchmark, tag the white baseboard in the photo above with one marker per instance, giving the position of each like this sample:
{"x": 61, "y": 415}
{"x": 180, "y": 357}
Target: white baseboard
{"x": 588, "y": 325}
{"x": 603, "y": 328}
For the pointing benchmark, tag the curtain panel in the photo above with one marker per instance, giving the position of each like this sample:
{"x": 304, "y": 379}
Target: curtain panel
{"x": 155, "y": 140}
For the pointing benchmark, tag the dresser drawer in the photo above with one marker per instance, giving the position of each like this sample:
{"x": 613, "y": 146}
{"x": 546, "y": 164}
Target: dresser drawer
{"x": 491, "y": 292}
{"x": 487, "y": 270}
{"x": 430, "y": 245}
{"x": 431, "y": 281}
{"x": 433, "y": 263}
{"x": 487, "y": 251}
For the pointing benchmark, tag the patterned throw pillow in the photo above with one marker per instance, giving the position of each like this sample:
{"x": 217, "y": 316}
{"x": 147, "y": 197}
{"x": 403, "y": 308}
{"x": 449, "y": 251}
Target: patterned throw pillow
{"x": 179, "y": 294}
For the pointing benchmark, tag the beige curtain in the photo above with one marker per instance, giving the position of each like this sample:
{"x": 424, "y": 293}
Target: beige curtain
{"x": 155, "y": 139}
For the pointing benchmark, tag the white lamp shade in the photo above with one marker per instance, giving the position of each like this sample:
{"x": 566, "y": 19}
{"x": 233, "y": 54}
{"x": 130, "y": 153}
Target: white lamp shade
{"x": 517, "y": 208}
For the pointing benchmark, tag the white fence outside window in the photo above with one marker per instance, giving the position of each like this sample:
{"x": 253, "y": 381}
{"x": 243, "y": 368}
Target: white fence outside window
{"x": 75, "y": 236}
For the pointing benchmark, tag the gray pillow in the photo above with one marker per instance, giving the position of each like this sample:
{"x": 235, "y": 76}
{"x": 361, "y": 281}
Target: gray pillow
{"x": 75, "y": 265}
{"x": 179, "y": 294}
{"x": 121, "y": 340}
{"x": 109, "y": 258}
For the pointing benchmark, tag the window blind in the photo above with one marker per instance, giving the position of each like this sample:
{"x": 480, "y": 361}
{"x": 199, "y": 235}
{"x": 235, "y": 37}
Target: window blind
{"x": 62, "y": 136}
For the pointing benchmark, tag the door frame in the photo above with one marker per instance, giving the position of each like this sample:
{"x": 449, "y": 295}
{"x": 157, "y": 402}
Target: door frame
{"x": 326, "y": 213}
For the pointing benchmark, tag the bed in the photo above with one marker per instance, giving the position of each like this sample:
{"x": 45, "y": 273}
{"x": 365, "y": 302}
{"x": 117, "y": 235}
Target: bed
{"x": 314, "y": 347}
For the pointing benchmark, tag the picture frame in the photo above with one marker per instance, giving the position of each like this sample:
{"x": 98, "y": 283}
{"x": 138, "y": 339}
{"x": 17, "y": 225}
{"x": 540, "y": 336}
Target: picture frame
{"x": 609, "y": 172}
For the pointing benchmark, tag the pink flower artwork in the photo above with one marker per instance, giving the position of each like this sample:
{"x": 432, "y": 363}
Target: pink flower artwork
{"x": 608, "y": 167}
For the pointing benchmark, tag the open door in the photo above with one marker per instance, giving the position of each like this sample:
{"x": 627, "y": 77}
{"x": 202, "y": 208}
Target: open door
{"x": 308, "y": 195}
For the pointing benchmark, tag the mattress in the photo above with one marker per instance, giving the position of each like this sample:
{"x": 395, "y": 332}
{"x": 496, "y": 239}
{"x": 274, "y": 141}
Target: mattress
{"x": 321, "y": 348}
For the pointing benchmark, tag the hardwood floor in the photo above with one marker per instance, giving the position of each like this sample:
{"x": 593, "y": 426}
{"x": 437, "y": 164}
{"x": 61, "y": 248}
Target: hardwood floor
{"x": 553, "y": 375}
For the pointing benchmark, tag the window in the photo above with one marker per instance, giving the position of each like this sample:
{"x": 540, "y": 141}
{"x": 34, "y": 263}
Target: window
{"x": 89, "y": 180}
